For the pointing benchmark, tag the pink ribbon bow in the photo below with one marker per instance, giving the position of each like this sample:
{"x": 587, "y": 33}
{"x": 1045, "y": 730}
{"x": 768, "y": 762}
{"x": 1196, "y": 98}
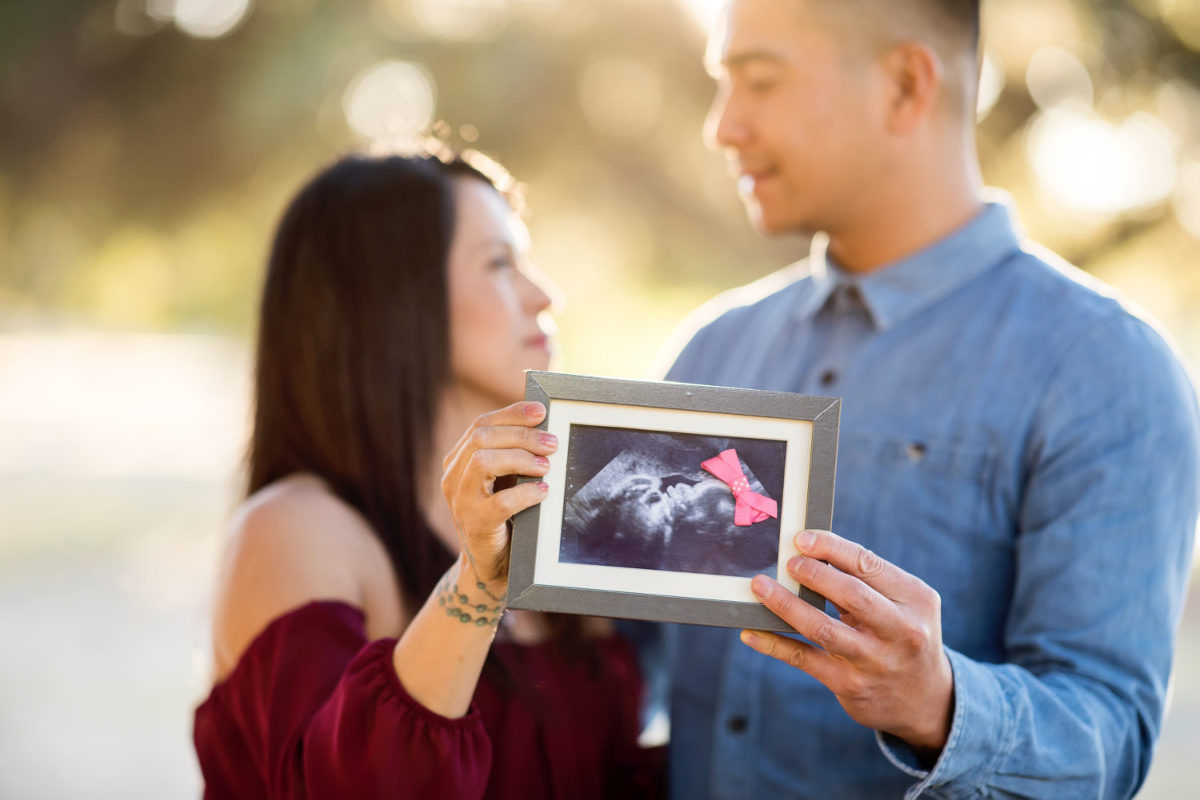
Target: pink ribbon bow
{"x": 749, "y": 507}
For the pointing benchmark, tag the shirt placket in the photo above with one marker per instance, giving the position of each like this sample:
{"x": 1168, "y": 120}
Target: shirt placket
{"x": 738, "y": 722}
{"x": 838, "y": 326}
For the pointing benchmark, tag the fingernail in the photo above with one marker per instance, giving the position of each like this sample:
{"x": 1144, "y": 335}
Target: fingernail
{"x": 541, "y": 461}
{"x": 548, "y": 439}
{"x": 749, "y": 638}
{"x": 805, "y": 540}
{"x": 534, "y": 410}
{"x": 761, "y": 586}
{"x": 794, "y": 563}
{"x": 545, "y": 487}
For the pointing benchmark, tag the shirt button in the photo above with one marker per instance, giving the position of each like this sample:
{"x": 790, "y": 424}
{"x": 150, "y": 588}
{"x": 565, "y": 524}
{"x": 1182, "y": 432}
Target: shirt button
{"x": 737, "y": 724}
{"x": 828, "y": 377}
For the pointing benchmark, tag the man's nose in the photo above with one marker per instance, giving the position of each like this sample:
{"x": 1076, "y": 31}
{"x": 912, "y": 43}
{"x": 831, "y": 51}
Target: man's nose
{"x": 724, "y": 127}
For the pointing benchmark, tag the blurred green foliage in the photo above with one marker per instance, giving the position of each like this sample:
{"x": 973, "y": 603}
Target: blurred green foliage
{"x": 142, "y": 167}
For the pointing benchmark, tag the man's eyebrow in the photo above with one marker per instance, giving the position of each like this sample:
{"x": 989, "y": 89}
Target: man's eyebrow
{"x": 735, "y": 60}
{"x": 738, "y": 60}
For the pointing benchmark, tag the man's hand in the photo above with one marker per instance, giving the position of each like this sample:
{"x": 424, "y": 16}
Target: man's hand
{"x": 883, "y": 659}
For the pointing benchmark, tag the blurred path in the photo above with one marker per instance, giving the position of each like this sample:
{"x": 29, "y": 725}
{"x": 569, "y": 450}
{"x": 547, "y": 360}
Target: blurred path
{"x": 117, "y": 464}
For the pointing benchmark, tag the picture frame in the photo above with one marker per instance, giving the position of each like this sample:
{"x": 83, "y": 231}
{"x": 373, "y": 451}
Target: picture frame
{"x": 642, "y": 523}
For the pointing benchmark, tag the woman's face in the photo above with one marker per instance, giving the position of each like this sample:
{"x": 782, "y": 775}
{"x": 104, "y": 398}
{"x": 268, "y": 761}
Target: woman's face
{"x": 495, "y": 333}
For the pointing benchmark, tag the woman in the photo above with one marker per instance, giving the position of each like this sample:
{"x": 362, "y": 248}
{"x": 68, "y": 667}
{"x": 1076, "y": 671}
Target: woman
{"x": 365, "y": 575}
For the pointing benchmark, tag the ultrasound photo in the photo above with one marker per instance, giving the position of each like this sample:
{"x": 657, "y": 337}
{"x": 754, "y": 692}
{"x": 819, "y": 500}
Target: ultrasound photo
{"x": 641, "y": 499}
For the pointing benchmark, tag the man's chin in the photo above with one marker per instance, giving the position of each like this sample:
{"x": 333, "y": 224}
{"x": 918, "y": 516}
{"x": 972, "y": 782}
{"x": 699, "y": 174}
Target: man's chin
{"x": 772, "y": 225}
{"x": 770, "y": 221}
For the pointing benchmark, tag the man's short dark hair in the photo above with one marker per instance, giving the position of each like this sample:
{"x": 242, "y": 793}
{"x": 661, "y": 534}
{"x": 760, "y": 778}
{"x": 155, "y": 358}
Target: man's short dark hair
{"x": 944, "y": 23}
{"x": 950, "y": 27}
{"x": 964, "y": 14}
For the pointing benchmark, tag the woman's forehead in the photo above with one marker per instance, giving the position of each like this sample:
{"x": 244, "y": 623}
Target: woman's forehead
{"x": 484, "y": 215}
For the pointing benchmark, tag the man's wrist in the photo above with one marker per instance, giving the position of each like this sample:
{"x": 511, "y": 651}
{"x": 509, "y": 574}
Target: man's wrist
{"x": 928, "y": 740}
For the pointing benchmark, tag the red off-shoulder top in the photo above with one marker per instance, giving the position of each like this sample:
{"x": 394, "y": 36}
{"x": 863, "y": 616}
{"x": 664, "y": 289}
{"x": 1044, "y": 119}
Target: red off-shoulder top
{"x": 313, "y": 710}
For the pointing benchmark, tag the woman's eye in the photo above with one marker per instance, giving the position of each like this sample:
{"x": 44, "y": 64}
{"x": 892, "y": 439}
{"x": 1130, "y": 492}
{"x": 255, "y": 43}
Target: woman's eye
{"x": 501, "y": 262}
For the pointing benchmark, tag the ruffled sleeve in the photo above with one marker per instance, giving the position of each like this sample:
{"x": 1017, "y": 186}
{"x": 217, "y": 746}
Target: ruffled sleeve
{"x": 314, "y": 711}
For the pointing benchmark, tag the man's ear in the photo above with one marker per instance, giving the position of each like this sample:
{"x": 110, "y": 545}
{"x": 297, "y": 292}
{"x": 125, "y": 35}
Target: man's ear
{"x": 915, "y": 74}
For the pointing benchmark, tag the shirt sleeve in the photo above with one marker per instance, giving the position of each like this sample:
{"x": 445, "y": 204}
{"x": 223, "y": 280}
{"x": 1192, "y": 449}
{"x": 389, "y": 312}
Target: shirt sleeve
{"x": 326, "y": 717}
{"x": 1106, "y": 528}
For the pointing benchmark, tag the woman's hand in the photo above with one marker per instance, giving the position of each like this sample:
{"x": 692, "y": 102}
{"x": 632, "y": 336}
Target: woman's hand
{"x": 498, "y": 444}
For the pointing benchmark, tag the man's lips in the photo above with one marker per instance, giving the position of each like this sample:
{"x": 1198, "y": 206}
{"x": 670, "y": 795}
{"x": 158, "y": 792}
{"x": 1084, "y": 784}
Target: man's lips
{"x": 749, "y": 179}
{"x": 541, "y": 342}
{"x": 752, "y": 169}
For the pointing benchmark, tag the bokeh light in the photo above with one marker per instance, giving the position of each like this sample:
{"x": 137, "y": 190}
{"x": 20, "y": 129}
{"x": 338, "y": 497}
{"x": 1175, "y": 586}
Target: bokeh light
{"x": 392, "y": 101}
{"x": 461, "y": 20}
{"x": 1090, "y": 165}
{"x": 209, "y": 19}
{"x": 1056, "y": 77}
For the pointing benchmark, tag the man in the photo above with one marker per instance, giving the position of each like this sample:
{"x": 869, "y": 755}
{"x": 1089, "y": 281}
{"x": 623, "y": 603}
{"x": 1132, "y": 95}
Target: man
{"x": 1018, "y": 471}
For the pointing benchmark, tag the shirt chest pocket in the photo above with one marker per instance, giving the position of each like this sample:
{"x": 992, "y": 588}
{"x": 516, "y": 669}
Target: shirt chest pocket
{"x": 924, "y": 504}
{"x": 920, "y": 502}
{"x": 896, "y": 483}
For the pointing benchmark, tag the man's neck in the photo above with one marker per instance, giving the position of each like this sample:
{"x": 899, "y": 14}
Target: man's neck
{"x": 909, "y": 215}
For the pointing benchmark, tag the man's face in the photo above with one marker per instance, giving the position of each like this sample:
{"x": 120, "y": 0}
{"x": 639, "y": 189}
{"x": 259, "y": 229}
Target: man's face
{"x": 798, "y": 115}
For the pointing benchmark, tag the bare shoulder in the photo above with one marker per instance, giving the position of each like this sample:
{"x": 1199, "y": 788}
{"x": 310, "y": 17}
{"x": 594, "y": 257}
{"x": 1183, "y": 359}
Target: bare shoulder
{"x": 291, "y": 543}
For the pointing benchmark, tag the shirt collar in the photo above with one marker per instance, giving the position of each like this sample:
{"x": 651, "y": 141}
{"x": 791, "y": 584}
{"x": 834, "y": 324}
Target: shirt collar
{"x": 908, "y": 286}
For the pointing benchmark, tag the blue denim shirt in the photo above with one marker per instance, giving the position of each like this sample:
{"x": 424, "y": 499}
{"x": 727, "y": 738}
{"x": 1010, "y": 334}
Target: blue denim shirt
{"x": 1015, "y": 437}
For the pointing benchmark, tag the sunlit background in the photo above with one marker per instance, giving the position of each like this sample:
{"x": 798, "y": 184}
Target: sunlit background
{"x": 147, "y": 148}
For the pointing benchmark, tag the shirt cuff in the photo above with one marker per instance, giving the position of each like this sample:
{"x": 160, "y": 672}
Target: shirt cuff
{"x": 980, "y": 737}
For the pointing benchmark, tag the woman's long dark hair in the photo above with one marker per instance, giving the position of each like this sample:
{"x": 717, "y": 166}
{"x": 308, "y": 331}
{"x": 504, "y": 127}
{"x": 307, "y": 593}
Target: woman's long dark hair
{"x": 353, "y": 346}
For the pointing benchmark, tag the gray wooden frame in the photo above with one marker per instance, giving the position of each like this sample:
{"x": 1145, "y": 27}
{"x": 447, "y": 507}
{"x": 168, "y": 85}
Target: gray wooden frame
{"x": 546, "y": 387}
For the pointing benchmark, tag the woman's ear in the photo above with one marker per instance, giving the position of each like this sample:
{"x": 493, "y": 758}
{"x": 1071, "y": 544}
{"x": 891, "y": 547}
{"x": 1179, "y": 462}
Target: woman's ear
{"x": 915, "y": 74}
